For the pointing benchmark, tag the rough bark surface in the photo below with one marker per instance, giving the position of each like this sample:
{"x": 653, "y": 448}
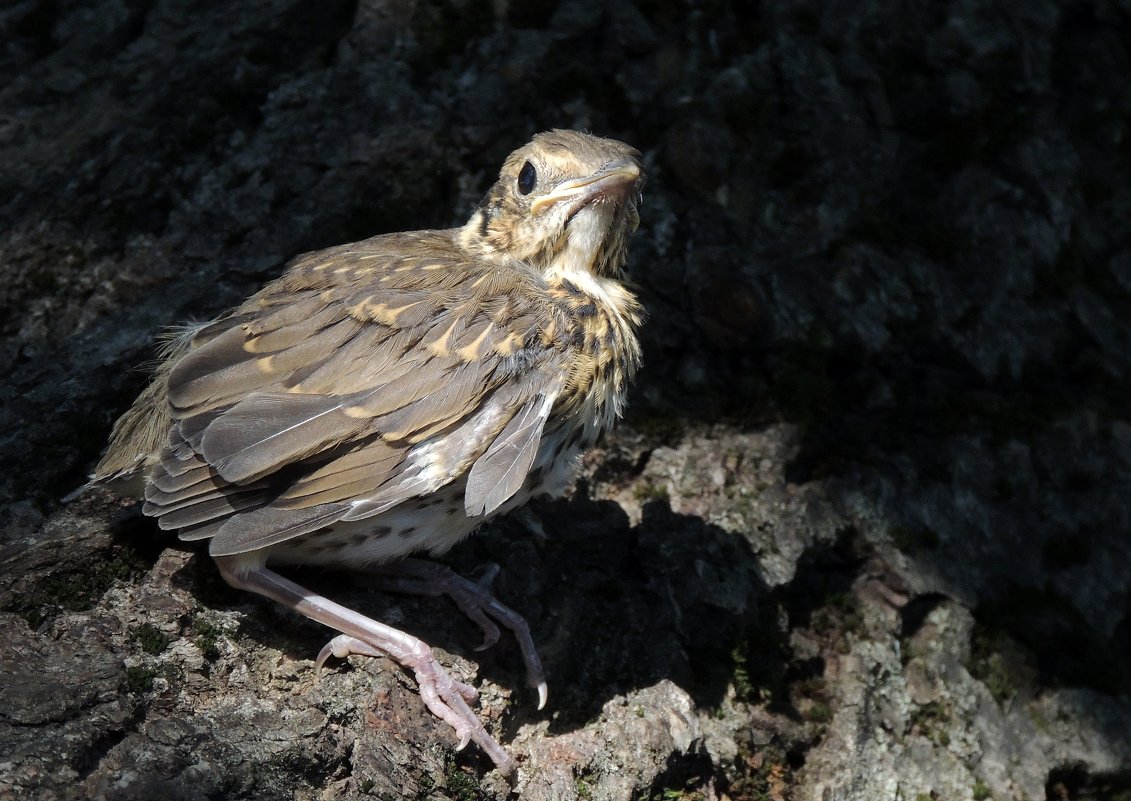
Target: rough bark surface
{"x": 864, "y": 535}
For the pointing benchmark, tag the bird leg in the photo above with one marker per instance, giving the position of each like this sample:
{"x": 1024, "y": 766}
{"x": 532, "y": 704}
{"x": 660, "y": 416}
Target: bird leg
{"x": 474, "y": 599}
{"x": 443, "y": 695}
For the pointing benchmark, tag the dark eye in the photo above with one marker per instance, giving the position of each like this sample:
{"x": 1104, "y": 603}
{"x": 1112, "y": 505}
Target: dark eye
{"x": 526, "y": 178}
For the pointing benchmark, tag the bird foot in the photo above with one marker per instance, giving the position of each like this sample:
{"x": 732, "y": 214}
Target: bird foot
{"x": 444, "y": 696}
{"x": 474, "y": 599}
{"x": 344, "y": 645}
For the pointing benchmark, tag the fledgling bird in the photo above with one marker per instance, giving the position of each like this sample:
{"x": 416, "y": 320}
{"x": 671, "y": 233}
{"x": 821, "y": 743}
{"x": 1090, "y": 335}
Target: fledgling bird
{"x": 389, "y": 396}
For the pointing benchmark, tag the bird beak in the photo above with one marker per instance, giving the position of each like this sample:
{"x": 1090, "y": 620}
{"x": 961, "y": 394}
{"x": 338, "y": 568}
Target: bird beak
{"x": 612, "y": 181}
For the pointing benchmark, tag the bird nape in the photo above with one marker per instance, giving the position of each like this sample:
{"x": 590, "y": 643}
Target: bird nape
{"x": 389, "y": 396}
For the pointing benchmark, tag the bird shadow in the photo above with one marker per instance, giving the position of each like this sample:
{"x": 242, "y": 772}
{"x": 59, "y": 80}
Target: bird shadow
{"x": 616, "y": 607}
{"x": 613, "y": 607}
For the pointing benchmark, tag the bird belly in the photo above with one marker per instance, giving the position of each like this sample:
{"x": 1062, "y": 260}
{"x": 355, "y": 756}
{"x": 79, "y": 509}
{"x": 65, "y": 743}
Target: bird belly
{"x": 432, "y": 523}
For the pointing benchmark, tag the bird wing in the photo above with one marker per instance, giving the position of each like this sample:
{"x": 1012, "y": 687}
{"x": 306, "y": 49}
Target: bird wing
{"x": 367, "y": 375}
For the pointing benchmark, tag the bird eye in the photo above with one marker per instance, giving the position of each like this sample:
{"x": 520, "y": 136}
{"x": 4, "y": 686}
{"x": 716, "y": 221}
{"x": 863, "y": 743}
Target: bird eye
{"x": 526, "y": 178}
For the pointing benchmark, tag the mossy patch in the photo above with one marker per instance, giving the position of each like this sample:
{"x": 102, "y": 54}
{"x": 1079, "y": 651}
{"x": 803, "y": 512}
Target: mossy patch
{"x": 765, "y": 774}
{"x": 151, "y": 639}
{"x": 931, "y": 721}
{"x": 647, "y": 491}
{"x": 989, "y": 665}
{"x": 819, "y": 712}
{"x": 139, "y": 679}
{"x": 462, "y": 785}
{"x": 676, "y": 794}
{"x": 840, "y": 614}
{"x": 208, "y": 638}
{"x": 78, "y": 587}
{"x": 744, "y": 689}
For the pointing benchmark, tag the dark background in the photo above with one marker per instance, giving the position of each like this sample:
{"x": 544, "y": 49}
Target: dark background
{"x": 885, "y": 246}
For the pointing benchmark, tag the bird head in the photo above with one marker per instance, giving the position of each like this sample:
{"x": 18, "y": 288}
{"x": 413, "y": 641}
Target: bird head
{"x": 564, "y": 201}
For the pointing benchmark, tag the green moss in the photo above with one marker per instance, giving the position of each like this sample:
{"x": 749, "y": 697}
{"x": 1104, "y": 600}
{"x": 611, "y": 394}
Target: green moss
{"x": 151, "y": 638}
{"x": 841, "y": 613}
{"x": 207, "y": 638}
{"x": 819, "y": 712}
{"x": 424, "y": 792}
{"x": 139, "y": 679}
{"x": 990, "y": 667}
{"x": 762, "y": 775}
{"x": 676, "y": 794}
{"x": 79, "y": 588}
{"x": 982, "y": 792}
{"x": 582, "y": 790}
{"x": 930, "y": 720}
{"x": 647, "y": 491}
{"x": 743, "y": 687}
{"x": 462, "y": 785}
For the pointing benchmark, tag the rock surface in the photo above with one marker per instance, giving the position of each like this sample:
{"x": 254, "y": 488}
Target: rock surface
{"x": 864, "y": 534}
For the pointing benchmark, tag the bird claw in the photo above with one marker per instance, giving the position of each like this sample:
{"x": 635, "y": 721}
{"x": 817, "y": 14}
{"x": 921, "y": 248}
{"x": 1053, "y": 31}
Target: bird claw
{"x": 489, "y": 629}
{"x": 474, "y": 599}
{"x": 445, "y": 697}
{"x": 342, "y": 646}
{"x": 448, "y": 699}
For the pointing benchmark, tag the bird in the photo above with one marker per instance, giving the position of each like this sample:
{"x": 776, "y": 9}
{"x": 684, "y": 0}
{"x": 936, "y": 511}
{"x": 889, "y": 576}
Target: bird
{"x": 388, "y": 397}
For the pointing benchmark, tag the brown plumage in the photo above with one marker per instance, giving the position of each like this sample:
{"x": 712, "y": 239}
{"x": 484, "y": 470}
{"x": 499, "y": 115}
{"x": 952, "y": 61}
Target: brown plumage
{"x": 390, "y": 395}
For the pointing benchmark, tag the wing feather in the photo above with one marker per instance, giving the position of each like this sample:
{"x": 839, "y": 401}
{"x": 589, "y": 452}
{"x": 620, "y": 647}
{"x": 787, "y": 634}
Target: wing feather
{"x": 500, "y": 472}
{"x": 225, "y": 369}
{"x": 205, "y": 508}
{"x": 352, "y": 475}
{"x": 269, "y": 430}
{"x": 268, "y": 525}
{"x": 365, "y": 376}
{"x": 456, "y": 401}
